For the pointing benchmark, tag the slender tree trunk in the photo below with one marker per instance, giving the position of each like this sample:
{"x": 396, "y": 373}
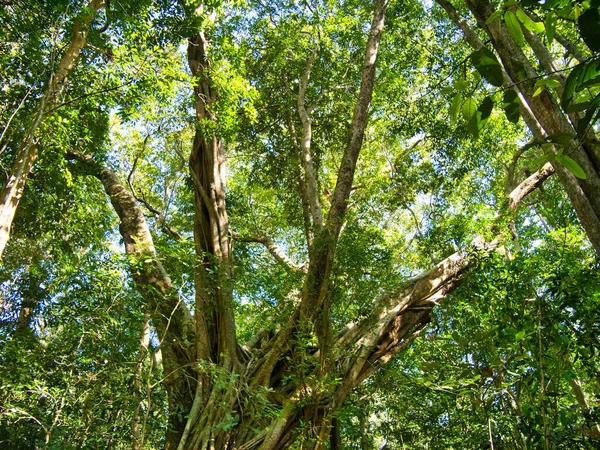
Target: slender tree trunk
{"x": 584, "y": 194}
{"x": 28, "y": 150}
{"x": 137, "y": 429}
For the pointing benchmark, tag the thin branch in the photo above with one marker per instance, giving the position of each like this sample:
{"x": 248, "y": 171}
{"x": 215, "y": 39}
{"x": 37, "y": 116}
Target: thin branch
{"x": 301, "y": 185}
{"x": 274, "y": 250}
{"x": 305, "y": 153}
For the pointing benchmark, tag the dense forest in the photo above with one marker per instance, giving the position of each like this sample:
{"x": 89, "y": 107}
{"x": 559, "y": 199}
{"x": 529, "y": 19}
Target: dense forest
{"x": 306, "y": 224}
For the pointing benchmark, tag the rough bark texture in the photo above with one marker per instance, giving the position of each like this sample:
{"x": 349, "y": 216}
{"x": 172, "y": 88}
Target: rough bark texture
{"x": 169, "y": 313}
{"x": 28, "y": 149}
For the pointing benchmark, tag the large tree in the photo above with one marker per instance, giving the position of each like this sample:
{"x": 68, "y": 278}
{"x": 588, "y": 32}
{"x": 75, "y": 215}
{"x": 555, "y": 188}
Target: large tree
{"x": 311, "y": 137}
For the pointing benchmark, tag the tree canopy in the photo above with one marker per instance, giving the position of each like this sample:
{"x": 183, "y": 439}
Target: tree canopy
{"x": 299, "y": 224}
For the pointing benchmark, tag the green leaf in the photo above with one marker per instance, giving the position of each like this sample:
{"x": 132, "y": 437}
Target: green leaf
{"x": 511, "y": 106}
{"x": 578, "y": 107}
{"x": 538, "y": 91}
{"x": 514, "y": 27}
{"x": 552, "y": 83}
{"x": 461, "y": 85}
{"x": 486, "y": 107}
{"x": 579, "y": 76}
{"x": 479, "y": 119}
{"x": 469, "y": 107}
{"x": 488, "y": 66}
{"x": 570, "y": 164}
{"x": 571, "y": 84}
{"x": 550, "y": 24}
{"x": 519, "y": 67}
{"x": 590, "y": 116}
{"x": 563, "y": 139}
{"x": 520, "y": 336}
{"x": 495, "y": 16}
{"x": 534, "y": 27}
{"x": 455, "y": 108}
{"x": 589, "y": 28}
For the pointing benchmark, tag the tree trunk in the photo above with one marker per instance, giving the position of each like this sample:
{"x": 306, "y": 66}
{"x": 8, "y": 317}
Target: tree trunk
{"x": 223, "y": 395}
{"x": 584, "y": 193}
{"x": 241, "y": 408}
{"x": 28, "y": 150}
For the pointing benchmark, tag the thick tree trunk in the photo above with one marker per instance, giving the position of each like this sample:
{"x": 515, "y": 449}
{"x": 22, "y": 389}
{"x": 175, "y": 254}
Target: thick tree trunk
{"x": 28, "y": 150}
{"x": 226, "y": 408}
{"x": 226, "y": 396}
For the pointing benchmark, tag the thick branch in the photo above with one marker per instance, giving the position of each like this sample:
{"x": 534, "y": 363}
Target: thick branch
{"x": 529, "y": 185}
{"x": 399, "y": 316}
{"x": 171, "y": 316}
{"x": 347, "y": 168}
{"x": 324, "y": 245}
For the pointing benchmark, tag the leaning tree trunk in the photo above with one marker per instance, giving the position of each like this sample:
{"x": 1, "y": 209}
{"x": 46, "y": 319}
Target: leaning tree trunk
{"x": 583, "y": 193}
{"x": 28, "y": 149}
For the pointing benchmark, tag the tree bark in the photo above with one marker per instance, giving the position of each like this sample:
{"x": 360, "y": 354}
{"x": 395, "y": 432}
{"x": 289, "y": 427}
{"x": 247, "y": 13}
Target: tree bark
{"x": 168, "y": 311}
{"x": 215, "y": 419}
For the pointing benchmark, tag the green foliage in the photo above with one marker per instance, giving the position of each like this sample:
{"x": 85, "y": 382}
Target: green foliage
{"x": 477, "y": 373}
{"x": 434, "y": 173}
{"x": 589, "y": 23}
{"x": 514, "y": 27}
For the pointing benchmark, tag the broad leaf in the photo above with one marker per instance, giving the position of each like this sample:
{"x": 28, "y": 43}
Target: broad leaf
{"x": 455, "y": 108}
{"x": 497, "y": 14}
{"x": 534, "y": 27}
{"x": 550, "y": 24}
{"x": 479, "y": 119}
{"x": 514, "y": 27}
{"x": 590, "y": 116}
{"x": 461, "y": 85}
{"x": 581, "y": 75}
{"x": 571, "y": 165}
{"x": 578, "y": 107}
{"x": 563, "y": 139}
{"x": 488, "y": 66}
{"x": 511, "y": 106}
{"x": 589, "y": 28}
{"x": 469, "y": 107}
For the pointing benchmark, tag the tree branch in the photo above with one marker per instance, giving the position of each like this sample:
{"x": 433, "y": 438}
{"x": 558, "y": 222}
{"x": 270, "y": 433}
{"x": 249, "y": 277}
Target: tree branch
{"x": 305, "y": 154}
{"x": 274, "y": 250}
{"x": 171, "y": 316}
{"x": 301, "y": 185}
{"x": 397, "y": 316}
